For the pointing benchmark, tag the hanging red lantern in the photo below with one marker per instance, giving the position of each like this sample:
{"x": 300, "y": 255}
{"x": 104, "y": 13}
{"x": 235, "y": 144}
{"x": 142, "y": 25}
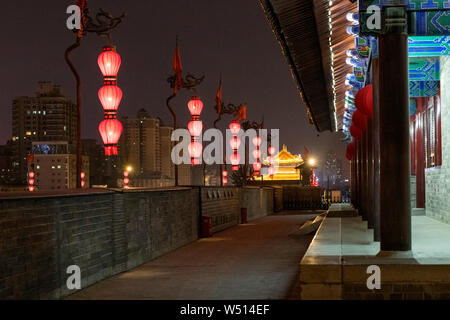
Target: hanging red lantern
{"x": 235, "y": 127}
{"x": 272, "y": 151}
{"x": 359, "y": 119}
{"x": 109, "y": 62}
{"x": 195, "y": 152}
{"x": 31, "y": 174}
{"x": 355, "y": 132}
{"x": 195, "y": 106}
{"x": 110, "y": 97}
{"x": 225, "y": 173}
{"x": 350, "y": 152}
{"x": 31, "y": 188}
{"x": 225, "y": 180}
{"x": 257, "y": 141}
{"x": 195, "y": 128}
{"x": 257, "y": 167}
{"x": 235, "y": 159}
{"x": 110, "y": 130}
{"x": 256, "y": 154}
{"x": 364, "y": 100}
{"x": 235, "y": 143}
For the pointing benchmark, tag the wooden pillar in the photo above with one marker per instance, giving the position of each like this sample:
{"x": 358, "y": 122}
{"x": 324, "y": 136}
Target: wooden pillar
{"x": 376, "y": 149}
{"x": 395, "y": 202}
{"x": 370, "y": 175}
{"x": 358, "y": 174}
{"x": 364, "y": 176}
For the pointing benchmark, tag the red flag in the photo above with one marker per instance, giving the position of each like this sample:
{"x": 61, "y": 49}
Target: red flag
{"x": 178, "y": 68}
{"x": 219, "y": 99}
{"x": 81, "y": 4}
{"x": 242, "y": 113}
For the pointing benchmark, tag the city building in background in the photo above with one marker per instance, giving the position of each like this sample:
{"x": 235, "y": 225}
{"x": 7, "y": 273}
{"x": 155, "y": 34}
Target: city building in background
{"x": 54, "y": 167}
{"x": 146, "y": 146}
{"x": 47, "y": 116}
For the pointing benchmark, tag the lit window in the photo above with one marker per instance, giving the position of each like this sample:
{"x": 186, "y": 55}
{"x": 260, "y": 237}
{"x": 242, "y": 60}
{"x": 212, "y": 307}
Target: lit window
{"x": 28, "y": 133}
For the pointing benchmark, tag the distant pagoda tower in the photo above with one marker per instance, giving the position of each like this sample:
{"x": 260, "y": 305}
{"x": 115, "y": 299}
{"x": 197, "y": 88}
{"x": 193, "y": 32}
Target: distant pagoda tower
{"x": 285, "y": 164}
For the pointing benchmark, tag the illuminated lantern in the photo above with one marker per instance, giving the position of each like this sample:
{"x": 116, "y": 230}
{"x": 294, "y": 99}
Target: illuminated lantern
{"x": 235, "y": 127}
{"x": 225, "y": 180}
{"x": 83, "y": 183}
{"x": 235, "y": 143}
{"x": 126, "y": 180}
{"x": 31, "y": 188}
{"x": 126, "y": 173}
{"x": 256, "y": 154}
{"x": 195, "y": 128}
{"x": 350, "y": 152}
{"x": 364, "y": 100}
{"x": 110, "y": 130}
{"x": 359, "y": 120}
{"x": 195, "y": 152}
{"x": 109, "y": 62}
{"x": 225, "y": 173}
{"x": 31, "y": 174}
{"x": 256, "y": 141}
{"x": 355, "y": 132}
{"x": 83, "y": 175}
{"x": 110, "y": 97}
{"x": 235, "y": 159}
{"x": 31, "y": 182}
{"x": 272, "y": 151}
{"x": 257, "y": 166}
{"x": 195, "y": 106}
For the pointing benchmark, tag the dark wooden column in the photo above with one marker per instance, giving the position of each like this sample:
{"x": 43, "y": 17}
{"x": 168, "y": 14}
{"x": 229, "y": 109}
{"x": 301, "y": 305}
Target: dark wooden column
{"x": 353, "y": 181}
{"x": 370, "y": 175}
{"x": 376, "y": 149}
{"x": 395, "y": 203}
{"x": 364, "y": 176}
{"x": 358, "y": 174}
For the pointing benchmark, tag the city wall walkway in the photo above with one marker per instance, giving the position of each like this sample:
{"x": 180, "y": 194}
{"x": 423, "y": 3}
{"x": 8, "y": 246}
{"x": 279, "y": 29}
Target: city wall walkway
{"x": 258, "y": 260}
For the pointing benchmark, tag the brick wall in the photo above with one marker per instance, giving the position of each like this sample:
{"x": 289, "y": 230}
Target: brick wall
{"x": 437, "y": 180}
{"x": 259, "y": 202}
{"x": 222, "y": 204}
{"x": 103, "y": 233}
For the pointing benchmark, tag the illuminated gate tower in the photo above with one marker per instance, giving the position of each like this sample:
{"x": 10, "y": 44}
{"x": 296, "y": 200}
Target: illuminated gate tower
{"x": 285, "y": 164}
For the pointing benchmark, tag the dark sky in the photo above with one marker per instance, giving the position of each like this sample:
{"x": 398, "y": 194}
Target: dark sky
{"x": 230, "y": 37}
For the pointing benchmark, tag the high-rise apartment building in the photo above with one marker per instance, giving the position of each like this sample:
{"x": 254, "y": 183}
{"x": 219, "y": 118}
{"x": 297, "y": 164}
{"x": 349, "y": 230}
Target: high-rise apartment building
{"x": 55, "y": 167}
{"x": 145, "y": 145}
{"x": 48, "y": 116}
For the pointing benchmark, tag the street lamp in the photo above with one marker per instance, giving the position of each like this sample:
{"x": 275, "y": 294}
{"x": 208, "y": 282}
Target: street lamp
{"x": 102, "y": 25}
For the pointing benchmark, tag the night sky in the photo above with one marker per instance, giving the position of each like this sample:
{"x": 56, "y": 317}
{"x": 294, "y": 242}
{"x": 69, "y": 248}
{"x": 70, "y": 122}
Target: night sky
{"x": 230, "y": 37}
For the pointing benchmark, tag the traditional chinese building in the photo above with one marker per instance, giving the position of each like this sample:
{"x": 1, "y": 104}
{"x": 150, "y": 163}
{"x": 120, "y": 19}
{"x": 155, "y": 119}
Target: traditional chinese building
{"x": 286, "y": 166}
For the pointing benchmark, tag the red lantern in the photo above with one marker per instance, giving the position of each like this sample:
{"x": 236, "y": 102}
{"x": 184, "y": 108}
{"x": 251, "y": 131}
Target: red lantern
{"x": 355, "y": 132}
{"x": 256, "y": 154}
{"x": 195, "y": 128}
{"x": 360, "y": 120}
{"x": 83, "y": 183}
{"x": 235, "y": 159}
{"x": 83, "y": 175}
{"x": 31, "y": 174}
{"x": 126, "y": 180}
{"x": 31, "y": 182}
{"x": 110, "y": 97}
{"x": 257, "y": 166}
{"x": 109, "y": 62}
{"x": 350, "y": 152}
{"x": 225, "y": 180}
{"x": 126, "y": 173}
{"x": 31, "y": 188}
{"x": 110, "y": 130}
{"x": 195, "y": 149}
{"x": 225, "y": 173}
{"x": 364, "y": 100}
{"x": 256, "y": 141}
{"x": 272, "y": 151}
{"x": 235, "y": 143}
{"x": 235, "y": 127}
{"x": 195, "y": 106}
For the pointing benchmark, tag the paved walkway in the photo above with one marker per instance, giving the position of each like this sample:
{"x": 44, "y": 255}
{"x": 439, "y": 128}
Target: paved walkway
{"x": 253, "y": 261}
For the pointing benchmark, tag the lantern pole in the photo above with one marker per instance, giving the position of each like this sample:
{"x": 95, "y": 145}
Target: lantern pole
{"x": 102, "y": 26}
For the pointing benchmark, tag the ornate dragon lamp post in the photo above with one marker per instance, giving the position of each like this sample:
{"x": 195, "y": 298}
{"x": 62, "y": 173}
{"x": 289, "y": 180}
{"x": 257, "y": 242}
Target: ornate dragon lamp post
{"x": 177, "y": 82}
{"x": 103, "y": 25}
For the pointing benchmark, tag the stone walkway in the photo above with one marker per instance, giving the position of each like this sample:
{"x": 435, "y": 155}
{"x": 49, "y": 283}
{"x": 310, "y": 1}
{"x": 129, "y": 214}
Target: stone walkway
{"x": 257, "y": 260}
